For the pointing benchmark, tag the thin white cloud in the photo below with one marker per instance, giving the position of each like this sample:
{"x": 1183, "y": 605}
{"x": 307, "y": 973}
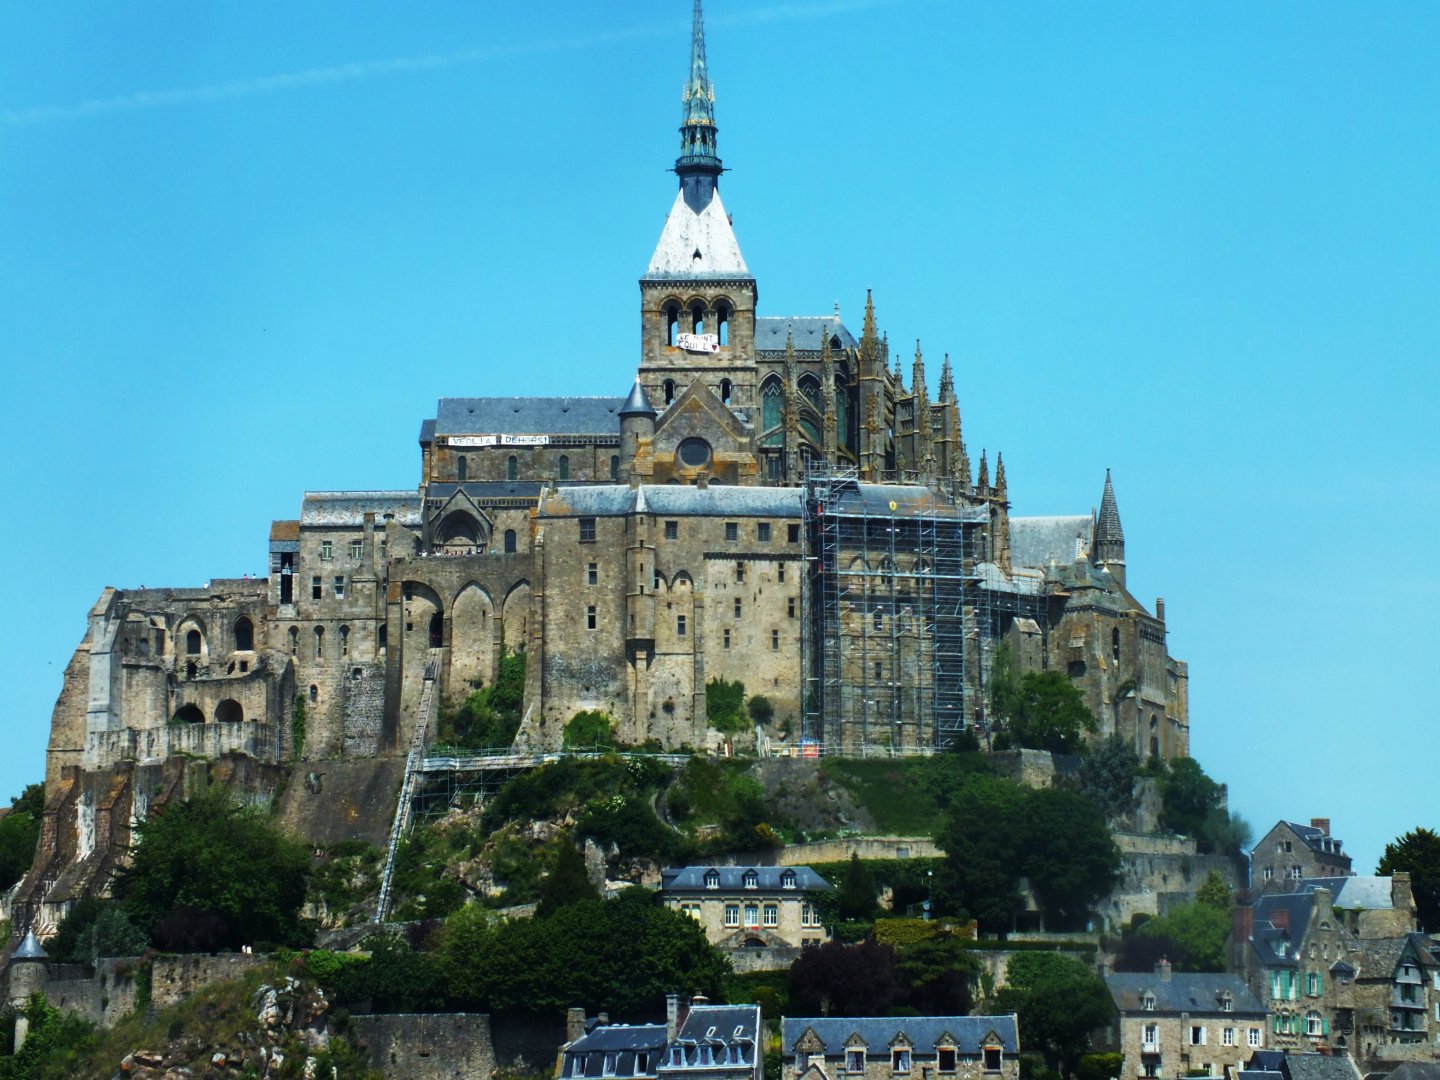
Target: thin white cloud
{"x": 400, "y": 65}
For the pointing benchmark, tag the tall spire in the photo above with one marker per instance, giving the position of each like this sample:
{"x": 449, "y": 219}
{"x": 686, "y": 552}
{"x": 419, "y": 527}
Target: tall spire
{"x": 698, "y": 165}
{"x": 947, "y": 382}
{"x": 1109, "y": 540}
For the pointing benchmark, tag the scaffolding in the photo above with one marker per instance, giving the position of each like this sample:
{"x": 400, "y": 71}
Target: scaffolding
{"x": 898, "y": 627}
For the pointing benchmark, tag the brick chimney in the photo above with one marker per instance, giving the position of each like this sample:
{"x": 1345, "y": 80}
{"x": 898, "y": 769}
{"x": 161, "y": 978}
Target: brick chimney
{"x": 574, "y": 1024}
{"x": 1163, "y": 969}
{"x": 1321, "y": 823}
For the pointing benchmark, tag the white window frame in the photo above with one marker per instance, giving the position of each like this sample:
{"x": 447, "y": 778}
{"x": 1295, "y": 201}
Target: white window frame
{"x": 732, "y": 914}
{"x": 900, "y": 1059}
{"x": 855, "y": 1061}
{"x": 1252, "y": 1037}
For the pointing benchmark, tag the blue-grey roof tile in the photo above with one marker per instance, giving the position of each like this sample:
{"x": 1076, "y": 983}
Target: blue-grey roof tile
{"x": 528, "y": 416}
{"x": 350, "y": 507}
{"x": 771, "y": 332}
{"x": 924, "y": 1032}
{"x": 1182, "y": 992}
{"x": 732, "y": 878}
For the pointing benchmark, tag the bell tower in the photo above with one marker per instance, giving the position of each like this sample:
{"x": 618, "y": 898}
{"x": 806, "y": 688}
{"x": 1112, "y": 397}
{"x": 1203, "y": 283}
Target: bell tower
{"x": 697, "y": 296}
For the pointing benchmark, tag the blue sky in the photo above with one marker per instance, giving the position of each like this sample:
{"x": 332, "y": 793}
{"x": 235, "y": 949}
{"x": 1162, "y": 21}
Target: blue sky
{"x": 244, "y": 247}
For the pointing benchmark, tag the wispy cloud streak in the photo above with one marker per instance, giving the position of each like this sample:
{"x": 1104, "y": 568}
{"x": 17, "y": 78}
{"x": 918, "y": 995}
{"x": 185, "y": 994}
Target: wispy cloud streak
{"x": 402, "y": 65}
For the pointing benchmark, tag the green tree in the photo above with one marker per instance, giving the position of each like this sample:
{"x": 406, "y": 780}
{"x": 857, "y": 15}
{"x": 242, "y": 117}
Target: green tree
{"x": 856, "y": 897}
{"x": 1417, "y": 853}
{"x": 1108, "y": 775}
{"x": 1191, "y": 936}
{"x": 19, "y": 832}
{"x": 209, "y": 857}
{"x": 1059, "y": 1001}
{"x": 760, "y": 708}
{"x": 54, "y": 1043}
{"x": 845, "y": 980}
{"x": 1187, "y": 797}
{"x": 725, "y": 705}
{"x": 1067, "y": 855}
{"x": 938, "y": 974}
{"x": 1049, "y": 713}
{"x": 567, "y": 884}
{"x": 1225, "y": 833}
{"x": 982, "y": 843}
{"x": 589, "y": 729}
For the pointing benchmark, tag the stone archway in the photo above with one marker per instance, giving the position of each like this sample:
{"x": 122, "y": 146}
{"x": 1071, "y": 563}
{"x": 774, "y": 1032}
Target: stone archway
{"x": 472, "y": 639}
{"x": 515, "y": 617}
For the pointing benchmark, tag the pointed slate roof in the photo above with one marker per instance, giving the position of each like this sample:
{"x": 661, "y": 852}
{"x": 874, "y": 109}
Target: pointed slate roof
{"x": 697, "y": 245}
{"x": 638, "y": 403}
{"x": 1108, "y": 530}
{"x": 30, "y": 949}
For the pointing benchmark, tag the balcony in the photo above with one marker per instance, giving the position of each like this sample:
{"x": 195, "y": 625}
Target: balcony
{"x": 1147, "y": 1047}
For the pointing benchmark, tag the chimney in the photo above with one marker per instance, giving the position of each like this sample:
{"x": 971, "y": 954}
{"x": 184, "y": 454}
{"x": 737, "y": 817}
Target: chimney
{"x": 1242, "y": 926}
{"x": 1163, "y": 969}
{"x": 574, "y": 1024}
{"x": 602, "y": 1019}
{"x": 699, "y": 999}
{"x": 1160, "y": 608}
{"x": 672, "y": 1016}
{"x": 1321, "y": 823}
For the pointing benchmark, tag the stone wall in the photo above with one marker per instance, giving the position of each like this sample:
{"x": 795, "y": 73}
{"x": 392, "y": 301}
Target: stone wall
{"x": 364, "y": 693}
{"x": 771, "y": 958}
{"x": 428, "y": 1046}
{"x": 839, "y": 850}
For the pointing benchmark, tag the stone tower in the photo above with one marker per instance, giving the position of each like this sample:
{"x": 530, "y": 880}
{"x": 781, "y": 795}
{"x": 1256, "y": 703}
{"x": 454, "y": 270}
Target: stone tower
{"x": 1108, "y": 545}
{"x": 697, "y": 296}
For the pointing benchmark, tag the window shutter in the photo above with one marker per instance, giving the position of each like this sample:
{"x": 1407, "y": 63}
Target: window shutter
{"x": 1319, "y": 985}
{"x": 1325, "y": 1027}
{"x": 1275, "y": 1024}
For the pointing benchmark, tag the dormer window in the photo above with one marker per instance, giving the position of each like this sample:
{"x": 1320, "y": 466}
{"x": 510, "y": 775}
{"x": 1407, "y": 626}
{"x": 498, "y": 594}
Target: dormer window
{"x": 1147, "y": 1002}
{"x": 712, "y": 879}
{"x": 752, "y": 879}
{"x": 1227, "y": 1003}
{"x": 787, "y": 879}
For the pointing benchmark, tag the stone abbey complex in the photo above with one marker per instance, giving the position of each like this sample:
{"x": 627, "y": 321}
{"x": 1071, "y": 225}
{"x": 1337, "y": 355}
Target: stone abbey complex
{"x": 771, "y": 502}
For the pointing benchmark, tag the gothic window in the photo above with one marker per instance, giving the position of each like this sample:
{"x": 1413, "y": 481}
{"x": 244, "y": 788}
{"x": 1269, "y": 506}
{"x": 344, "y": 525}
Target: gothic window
{"x": 726, "y": 388}
{"x": 722, "y": 323}
{"x": 319, "y": 642}
{"x": 509, "y": 541}
{"x": 192, "y": 643}
{"x": 462, "y": 469}
{"x": 669, "y": 391}
{"x": 614, "y": 467}
{"x": 344, "y": 641}
{"x": 564, "y": 466}
{"x": 697, "y": 317}
{"x": 772, "y": 410}
{"x": 672, "y": 324}
{"x": 314, "y": 693}
{"x": 512, "y": 468}
{"x": 810, "y": 387}
{"x": 294, "y": 640}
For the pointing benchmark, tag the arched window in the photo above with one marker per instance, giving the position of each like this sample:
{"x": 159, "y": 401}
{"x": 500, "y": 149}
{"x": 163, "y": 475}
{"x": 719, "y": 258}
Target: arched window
{"x": 229, "y": 712}
{"x": 319, "y": 642}
{"x": 772, "y": 410}
{"x": 244, "y": 635}
{"x": 294, "y": 640}
{"x": 810, "y": 387}
{"x": 564, "y": 466}
{"x": 614, "y": 466}
{"x": 697, "y": 317}
{"x": 314, "y": 693}
{"x": 726, "y": 388}
{"x": 190, "y": 714}
{"x": 669, "y": 391}
{"x": 462, "y": 469}
{"x": 344, "y": 641}
{"x": 381, "y": 637}
{"x": 722, "y": 322}
{"x": 842, "y": 411}
{"x": 672, "y": 324}
{"x": 1115, "y": 643}
{"x": 509, "y": 541}
{"x": 512, "y": 468}
{"x": 192, "y": 643}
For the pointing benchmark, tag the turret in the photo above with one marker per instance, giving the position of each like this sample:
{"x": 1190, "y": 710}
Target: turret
{"x": 29, "y": 972}
{"x": 637, "y": 427}
{"x": 1108, "y": 544}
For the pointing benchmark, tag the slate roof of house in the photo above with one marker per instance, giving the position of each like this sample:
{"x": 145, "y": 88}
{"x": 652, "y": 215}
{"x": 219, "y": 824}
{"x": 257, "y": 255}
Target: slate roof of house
{"x": 1377, "y": 958}
{"x": 1362, "y": 891}
{"x": 721, "y": 1024}
{"x": 1038, "y": 541}
{"x": 1280, "y": 918}
{"x": 697, "y": 246}
{"x": 732, "y": 878}
{"x": 1183, "y": 992}
{"x": 677, "y": 499}
{"x": 480, "y": 490}
{"x": 880, "y": 1031}
{"x": 350, "y": 507}
{"x": 528, "y": 416}
{"x": 1415, "y": 1070}
{"x": 1320, "y": 1067}
{"x": 809, "y": 332}
{"x": 625, "y": 1042}
{"x": 427, "y": 432}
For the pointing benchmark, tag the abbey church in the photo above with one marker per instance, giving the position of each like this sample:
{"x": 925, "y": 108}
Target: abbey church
{"x": 774, "y": 501}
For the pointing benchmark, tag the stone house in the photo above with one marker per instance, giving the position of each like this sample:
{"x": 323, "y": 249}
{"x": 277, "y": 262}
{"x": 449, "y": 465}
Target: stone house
{"x": 1290, "y": 853}
{"x": 900, "y": 1048}
{"x": 1283, "y": 1065}
{"x": 1395, "y": 995}
{"x": 1171, "y": 1024}
{"x": 749, "y": 906}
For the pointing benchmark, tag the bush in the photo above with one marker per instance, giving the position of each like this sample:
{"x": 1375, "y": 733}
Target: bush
{"x": 590, "y": 730}
{"x": 724, "y": 706}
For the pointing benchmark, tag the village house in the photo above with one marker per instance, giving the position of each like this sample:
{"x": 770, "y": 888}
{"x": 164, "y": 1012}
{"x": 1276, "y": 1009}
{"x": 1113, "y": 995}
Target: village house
{"x": 749, "y": 906}
{"x": 900, "y": 1048}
